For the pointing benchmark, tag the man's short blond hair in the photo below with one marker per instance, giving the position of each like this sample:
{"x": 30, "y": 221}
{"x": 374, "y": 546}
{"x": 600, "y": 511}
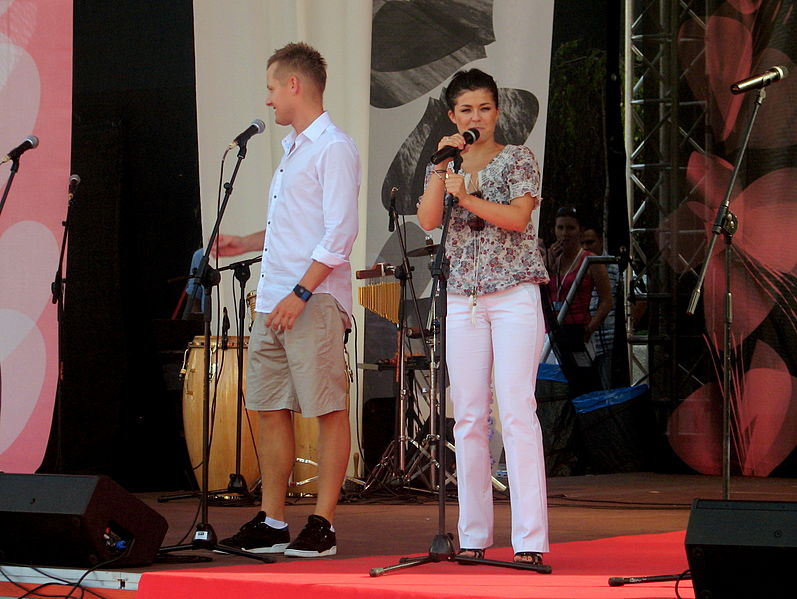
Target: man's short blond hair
{"x": 303, "y": 59}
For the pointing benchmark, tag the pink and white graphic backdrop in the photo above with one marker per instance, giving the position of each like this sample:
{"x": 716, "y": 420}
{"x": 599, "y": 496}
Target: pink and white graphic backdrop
{"x": 35, "y": 98}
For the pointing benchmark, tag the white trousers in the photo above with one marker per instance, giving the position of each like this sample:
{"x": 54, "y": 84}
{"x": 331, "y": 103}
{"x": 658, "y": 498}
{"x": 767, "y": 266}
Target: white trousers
{"x": 504, "y": 336}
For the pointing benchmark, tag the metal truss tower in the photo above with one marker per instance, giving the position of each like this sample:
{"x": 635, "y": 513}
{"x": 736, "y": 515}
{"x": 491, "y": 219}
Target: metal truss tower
{"x": 663, "y": 124}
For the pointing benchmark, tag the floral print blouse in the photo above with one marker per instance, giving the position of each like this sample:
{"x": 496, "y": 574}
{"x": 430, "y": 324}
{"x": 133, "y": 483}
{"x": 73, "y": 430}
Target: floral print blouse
{"x": 494, "y": 259}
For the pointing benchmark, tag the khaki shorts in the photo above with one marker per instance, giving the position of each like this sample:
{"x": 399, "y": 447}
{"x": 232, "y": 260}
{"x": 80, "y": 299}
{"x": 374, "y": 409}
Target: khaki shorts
{"x": 302, "y": 369}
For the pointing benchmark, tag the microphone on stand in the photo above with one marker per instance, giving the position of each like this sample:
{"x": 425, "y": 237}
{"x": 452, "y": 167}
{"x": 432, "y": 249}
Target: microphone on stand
{"x": 74, "y": 181}
{"x": 391, "y": 225}
{"x": 225, "y": 329}
{"x": 30, "y": 142}
{"x": 768, "y": 77}
{"x": 471, "y": 135}
{"x": 256, "y": 127}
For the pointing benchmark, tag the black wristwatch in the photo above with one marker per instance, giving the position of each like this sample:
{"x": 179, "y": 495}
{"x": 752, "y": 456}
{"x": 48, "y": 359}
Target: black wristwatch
{"x": 302, "y": 293}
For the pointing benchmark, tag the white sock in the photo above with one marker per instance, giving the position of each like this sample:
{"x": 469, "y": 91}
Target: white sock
{"x": 279, "y": 524}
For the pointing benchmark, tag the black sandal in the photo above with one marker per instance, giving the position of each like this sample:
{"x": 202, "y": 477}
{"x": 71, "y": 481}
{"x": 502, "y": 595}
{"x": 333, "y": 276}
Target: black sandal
{"x": 477, "y": 554}
{"x": 531, "y": 558}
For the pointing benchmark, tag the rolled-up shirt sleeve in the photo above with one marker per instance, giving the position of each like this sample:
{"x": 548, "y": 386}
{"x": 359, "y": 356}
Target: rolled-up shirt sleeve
{"x": 339, "y": 173}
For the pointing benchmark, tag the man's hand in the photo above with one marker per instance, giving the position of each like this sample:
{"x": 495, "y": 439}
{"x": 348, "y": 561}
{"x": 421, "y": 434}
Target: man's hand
{"x": 228, "y": 245}
{"x": 234, "y": 245}
{"x": 285, "y": 313}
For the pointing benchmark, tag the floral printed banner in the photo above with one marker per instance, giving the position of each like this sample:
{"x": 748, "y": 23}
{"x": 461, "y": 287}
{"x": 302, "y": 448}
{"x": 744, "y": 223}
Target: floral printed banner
{"x": 742, "y": 38}
{"x": 35, "y": 99}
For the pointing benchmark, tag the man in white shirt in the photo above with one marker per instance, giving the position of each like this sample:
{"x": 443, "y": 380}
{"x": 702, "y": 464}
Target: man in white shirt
{"x": 304, "y": 299}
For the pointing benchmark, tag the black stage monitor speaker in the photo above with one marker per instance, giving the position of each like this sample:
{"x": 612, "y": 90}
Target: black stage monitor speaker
{"x": 742, "y": 549}
{"x": 78, "y": 521}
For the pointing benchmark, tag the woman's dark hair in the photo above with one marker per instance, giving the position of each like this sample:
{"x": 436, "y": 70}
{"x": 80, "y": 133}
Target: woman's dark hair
{"x": 470, "y": 80}
{"x": 569, "y": 211}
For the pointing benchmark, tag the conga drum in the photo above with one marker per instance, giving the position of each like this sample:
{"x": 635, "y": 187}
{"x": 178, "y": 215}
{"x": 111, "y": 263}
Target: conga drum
{"x": 305, "y": 468}
{"x": 223, "y": 422}
{"x": 251, "y": 302}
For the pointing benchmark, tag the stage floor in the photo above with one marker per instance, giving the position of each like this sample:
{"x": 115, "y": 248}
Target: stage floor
{"x": 580, "y": 509}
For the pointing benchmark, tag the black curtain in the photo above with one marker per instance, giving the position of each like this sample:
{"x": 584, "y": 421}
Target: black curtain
{"x": 135, "y": 222}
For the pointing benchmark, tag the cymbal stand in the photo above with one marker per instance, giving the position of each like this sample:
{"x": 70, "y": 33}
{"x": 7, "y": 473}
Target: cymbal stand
{"x": 204, "y": 535}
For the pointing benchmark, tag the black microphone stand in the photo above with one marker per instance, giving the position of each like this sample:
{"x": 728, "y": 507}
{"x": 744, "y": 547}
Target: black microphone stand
{"x": 442, "y": 546}
{"x": 726, "y": 224}
{"x": 14, "y": 169}
{"x": 238, "y": 486}
{"x": 57, "y": 289}
{"x": 204, "y": 535}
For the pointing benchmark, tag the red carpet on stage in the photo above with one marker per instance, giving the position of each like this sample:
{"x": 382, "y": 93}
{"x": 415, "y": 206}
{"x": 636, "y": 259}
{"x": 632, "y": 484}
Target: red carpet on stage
{"x": 580, "y": 570}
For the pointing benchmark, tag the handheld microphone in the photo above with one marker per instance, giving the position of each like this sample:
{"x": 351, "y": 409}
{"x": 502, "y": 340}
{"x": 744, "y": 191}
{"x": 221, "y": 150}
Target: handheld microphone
{"x": 471, "y": 135}
{"x": 30, "y": 142}
{"x": 391, "y": 225}
{"x": 772, "y": 75}
{"x": 256, "y": 127}
{"x": 74, "y": 181}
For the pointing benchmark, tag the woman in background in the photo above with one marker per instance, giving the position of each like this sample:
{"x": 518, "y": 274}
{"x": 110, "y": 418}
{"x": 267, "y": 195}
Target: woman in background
{"x": 564, "y": 259}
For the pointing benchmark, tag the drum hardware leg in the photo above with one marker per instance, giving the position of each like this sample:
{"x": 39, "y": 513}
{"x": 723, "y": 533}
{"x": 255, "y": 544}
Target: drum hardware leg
{"x": 384, "y": 472}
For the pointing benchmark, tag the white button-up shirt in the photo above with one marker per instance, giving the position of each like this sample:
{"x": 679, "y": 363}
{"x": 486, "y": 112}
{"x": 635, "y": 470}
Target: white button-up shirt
{"x": 312, "y": 214}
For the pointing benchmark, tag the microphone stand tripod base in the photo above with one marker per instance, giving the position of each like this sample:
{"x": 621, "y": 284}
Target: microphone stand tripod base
{"x": 541, "y": 568}
{"x": 441, "y": 550}
{"x": 618, "y": 581}
{"x": 205, "y": 538}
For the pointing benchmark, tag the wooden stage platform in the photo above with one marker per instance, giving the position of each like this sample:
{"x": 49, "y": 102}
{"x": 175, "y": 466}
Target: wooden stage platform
{"x": 583, "y": 508}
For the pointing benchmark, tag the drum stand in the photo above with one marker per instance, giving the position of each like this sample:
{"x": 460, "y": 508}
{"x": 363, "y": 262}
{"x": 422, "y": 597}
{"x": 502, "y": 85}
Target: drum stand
{"x": 204, "y": 535}
{"x": 442, "y": 545}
